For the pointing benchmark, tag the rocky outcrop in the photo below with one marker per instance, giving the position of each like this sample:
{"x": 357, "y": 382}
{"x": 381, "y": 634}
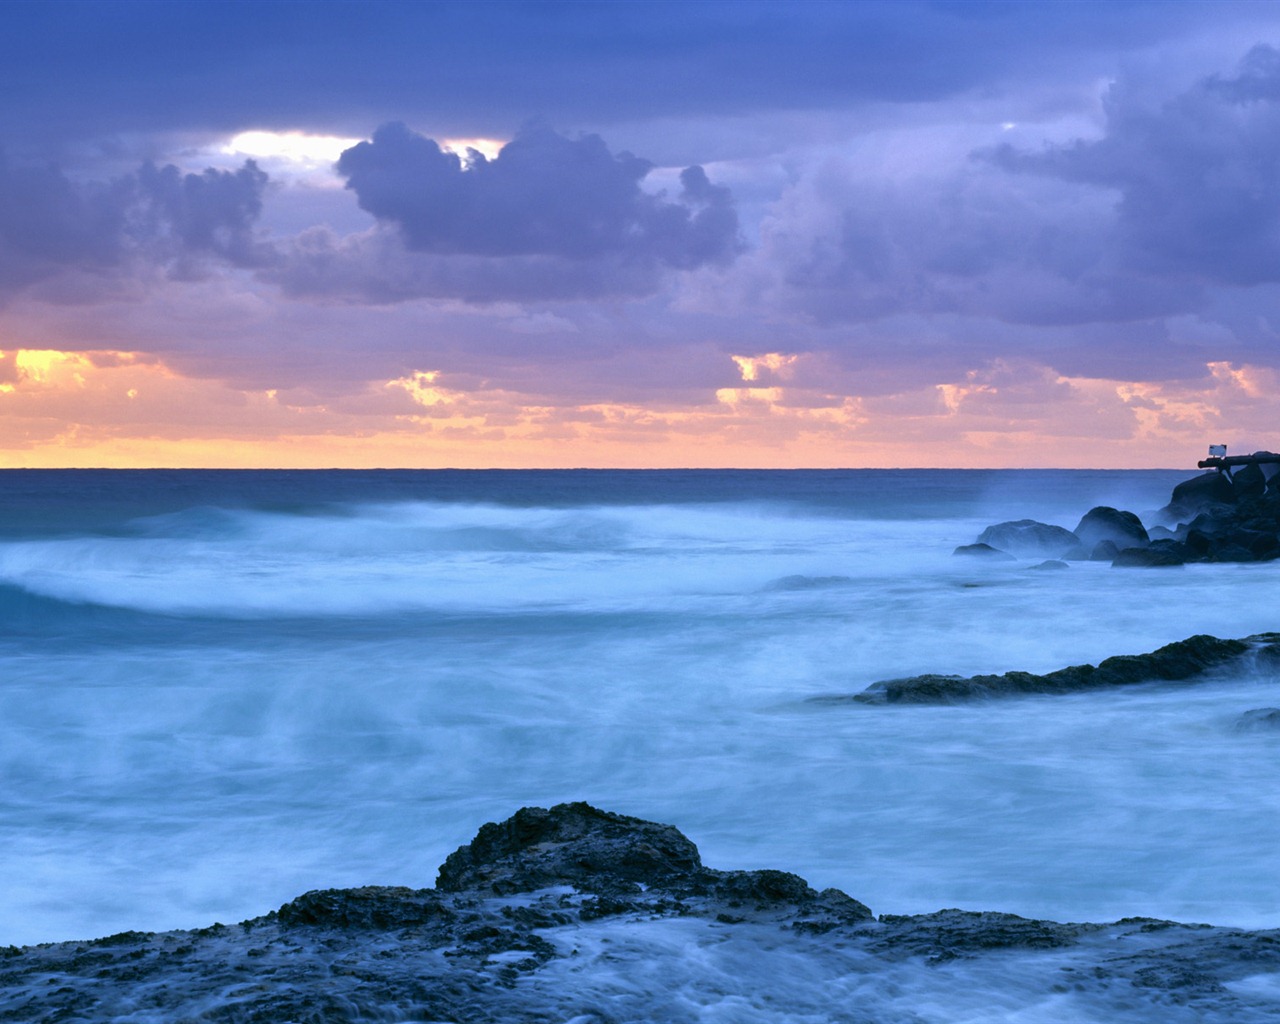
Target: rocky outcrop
{"x": 1026, "y": 538}
{"x": 1104, "y": 523}
{"x": 1212, "y": 517}
{"x": 551, "y": 915}
{"x": 1221, "y": 517}
{"x": 1194, "y": 658}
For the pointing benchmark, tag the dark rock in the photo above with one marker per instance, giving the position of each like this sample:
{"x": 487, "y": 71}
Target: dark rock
{"x": 1027, "y": 538}
{"x": 985, "y": 551}
{"x": 1149, "y": 558}
{"x": 1183, "y": 660}
{"x": 1161, "y": 533}
{"x": 375, "y": 907}
{"x": 1259, "y": 543}
{"x": 571, "y": 844}
{"x": 1260, "y": 719}
{"x": 1198, "y": 543}
{"x": 1248, "y": 482}
{"x": 1104, "y": 551}
{"x": 1124, "y": 529}
{"x": 1192, "y": 496}
{"x": 1228, "y": 552}
{"x": 1051, "y": 563}
{"x": 345, "y": 956}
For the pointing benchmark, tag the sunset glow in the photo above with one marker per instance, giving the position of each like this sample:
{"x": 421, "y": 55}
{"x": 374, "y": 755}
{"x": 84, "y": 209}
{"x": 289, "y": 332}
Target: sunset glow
{"x": 1038, "y": 255}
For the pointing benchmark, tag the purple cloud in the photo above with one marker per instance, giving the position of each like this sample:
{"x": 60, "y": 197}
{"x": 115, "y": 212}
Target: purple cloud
{"x": 549, "y": 218}
{"x": 50, "y": 223}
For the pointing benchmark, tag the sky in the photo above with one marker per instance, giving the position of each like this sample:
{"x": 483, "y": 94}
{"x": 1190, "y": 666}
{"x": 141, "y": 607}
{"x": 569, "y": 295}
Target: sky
{"x": 638, "y": 234}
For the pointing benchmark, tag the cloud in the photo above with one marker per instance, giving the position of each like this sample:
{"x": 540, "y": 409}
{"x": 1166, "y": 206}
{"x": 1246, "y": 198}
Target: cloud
{"x": 213, "y": 212}
{"x": 51, "y": 224}
{"x": 543, "y": 195}
{"x": 1196, "y": 177}
{"x": 549, "y": 218}
{"x": 1168, "y": 211}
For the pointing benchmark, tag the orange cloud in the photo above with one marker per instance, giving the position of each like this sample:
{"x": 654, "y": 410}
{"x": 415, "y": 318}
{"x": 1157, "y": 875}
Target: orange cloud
{"x": 124, "y": 409}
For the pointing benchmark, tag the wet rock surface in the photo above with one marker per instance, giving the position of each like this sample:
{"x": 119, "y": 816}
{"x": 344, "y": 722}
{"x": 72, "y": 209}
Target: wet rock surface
{"x": 1196, "y": 658}
{"x": 545, "y": 917}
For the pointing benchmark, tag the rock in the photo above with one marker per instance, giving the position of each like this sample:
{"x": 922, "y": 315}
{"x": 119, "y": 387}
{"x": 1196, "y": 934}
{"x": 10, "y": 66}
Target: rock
{"x": 572, "y": 952}
{"x": 1051, "y": 563}
{"x": 567, "y": 845}
{"x": 1104, "y": 551}
{"x": 1027, "y": 538}
{"x": 1184, "y": 660}
{"x": 985, "y": 551}
{"x": 1123, "y": 529}
{"x": 1192, "y": 496}
{"x": 1149, "y": 558}
{"x": 1248, "y": 482}
{"x": 1259, "y": 719}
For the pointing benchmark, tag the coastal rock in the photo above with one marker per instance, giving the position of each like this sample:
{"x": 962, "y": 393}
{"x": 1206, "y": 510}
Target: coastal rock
{"x": 1161, "y": 555}
{"x": 572, "y": 844}
{"x": 1104, "y": 551}
{"x": 985, "y": 551}
{"x": 1184, "y": 660}
{"x": 1124, "y": 529}
{"x": 1248, "y": 482}
{"x": 567, "y": 952}
{"x": 1260, "y": 720}
{"x": 1026, "y": 538}
{"x": 1194, "y": 495}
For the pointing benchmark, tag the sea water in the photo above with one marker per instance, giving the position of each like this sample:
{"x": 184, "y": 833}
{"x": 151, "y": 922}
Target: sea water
{"x": 219, "y": 690}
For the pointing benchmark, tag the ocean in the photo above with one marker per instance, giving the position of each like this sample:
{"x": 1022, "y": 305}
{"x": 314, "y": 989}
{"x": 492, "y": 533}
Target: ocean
{"x": 219, "y": 690}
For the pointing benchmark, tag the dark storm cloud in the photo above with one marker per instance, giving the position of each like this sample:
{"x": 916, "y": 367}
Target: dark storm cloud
{"x": 1197, "y": 177}
{"x": 91, "y": 69}
{"x": 51, "y": 223}
{"x": 549, "y": 218}
{"x": 543, "y": 195}
{"x": 213, "y": 212}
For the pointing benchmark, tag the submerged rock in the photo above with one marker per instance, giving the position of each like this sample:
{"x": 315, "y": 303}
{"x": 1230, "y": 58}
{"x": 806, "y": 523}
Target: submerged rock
{"x": 1259, "y": 719}
{"x": 1188, "y": 659}
{"x": 626, "y": 924}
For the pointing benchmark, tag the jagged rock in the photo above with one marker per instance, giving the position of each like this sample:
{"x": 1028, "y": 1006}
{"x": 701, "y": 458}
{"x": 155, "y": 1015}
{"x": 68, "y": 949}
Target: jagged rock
{"x": 557, "y": 953}
{"x": 1123, "y": 529}
{"x": 985, "y": 551}
{"x": 1184, "y": 660}
{"x": 569, "y": 844}
{"x": 1026, "y": 538}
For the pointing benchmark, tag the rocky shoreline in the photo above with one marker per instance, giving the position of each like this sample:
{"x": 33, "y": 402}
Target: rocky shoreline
{"x": 562, "y": 915}
{"x": 1197, "y": 659}
{"x": 1213, "y": 517}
